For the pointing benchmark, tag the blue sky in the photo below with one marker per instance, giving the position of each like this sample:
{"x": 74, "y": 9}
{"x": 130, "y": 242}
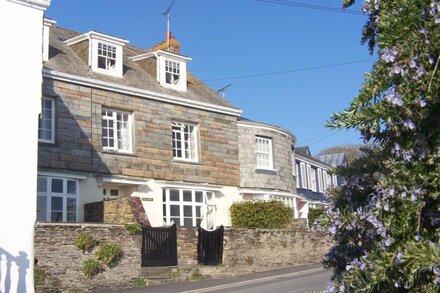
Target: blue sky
{"x": 237, "y": 38}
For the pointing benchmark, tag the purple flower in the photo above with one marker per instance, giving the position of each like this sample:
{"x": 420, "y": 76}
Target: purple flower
{"x": 389, "y": 241}
{"x": 394, "y": 98}
{"x": 389, "y": 55}
{"x": 412, "y": 64}
{"x": 408, "y": 124}
{"x": 437, "y": 281}
{"x": 422, "y": 102}
{"x": 399, "y": 258}
{"x": 386, "y": 206}
{"x": 436, "y": 270}
{"x": 331, "y": 287}
{"x": 396, "y": 69}
{"x": 396, "y": 283}
{"x": 396, "y": 149}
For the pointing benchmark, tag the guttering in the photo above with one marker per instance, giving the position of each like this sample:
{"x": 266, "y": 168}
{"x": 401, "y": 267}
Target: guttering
{"x": 61, "y": 76}
{"x": 37, "y": 4}
{"x": 196, "y": 186}
{"x": 158, "y": 53}
{"x": 266, "y": 127}
{"x": 270, "y": 192}
{"x": 98, "y": 36}
{"x": 62, "y": 175}
{"x": 123, "y": 181}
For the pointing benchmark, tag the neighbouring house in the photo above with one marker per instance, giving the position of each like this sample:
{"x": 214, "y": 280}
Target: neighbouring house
{"x": 314, "y": 179}
{"x": 334, "y": 160}
{"x": 127, "y": 129}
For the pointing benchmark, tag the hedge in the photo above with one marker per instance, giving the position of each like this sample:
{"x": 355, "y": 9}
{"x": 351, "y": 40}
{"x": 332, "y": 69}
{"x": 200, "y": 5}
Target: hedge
{"x": 260, "y": 214}
{"x": 314, "y": 214}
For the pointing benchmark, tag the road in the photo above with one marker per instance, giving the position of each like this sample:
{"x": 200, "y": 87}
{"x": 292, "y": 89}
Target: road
{"x": 312, "y": 278}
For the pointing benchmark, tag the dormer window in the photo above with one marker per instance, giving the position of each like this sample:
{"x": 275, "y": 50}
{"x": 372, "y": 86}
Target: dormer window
{"x": 103, "y": 53}
{"x": 106, "y": 56}
{"x": 170, "y": 68}
{"x": 172, "y": 72}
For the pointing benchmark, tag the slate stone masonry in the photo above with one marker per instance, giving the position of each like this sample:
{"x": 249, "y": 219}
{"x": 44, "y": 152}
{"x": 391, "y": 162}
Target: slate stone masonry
{"x": 245, "y": 251}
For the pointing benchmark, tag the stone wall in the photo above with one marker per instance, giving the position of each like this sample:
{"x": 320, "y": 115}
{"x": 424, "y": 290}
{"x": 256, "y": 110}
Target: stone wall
{"x": 245, "y": 251}
{"x": 78, "y": 143}
{"x": 122, "y": 210}
{"x": 281, "y": 177}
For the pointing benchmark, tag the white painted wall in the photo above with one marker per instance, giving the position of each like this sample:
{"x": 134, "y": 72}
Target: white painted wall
{"x": 21, "y": 60}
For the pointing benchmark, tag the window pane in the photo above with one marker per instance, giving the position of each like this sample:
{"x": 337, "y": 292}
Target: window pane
{"x": 42, "y": 184}
{"x": 187, "y": 211}
{"x": 56, "y": 203}
{"x": 188, "y": 222}
{"x": 71, "y": 205}
{"x": 199, "y": 196}
{"x": 41, "y": 208}
{"x": 57, "y": 185}
{"x": 71, "y": 187}
{"x": 198, "y": 213}
{"x": 114, "y": 192}
{"x": 164, "y": 210}
{"x": 175, "y": 220}
{"x": 56, "y": 217}
{"x": 71, "y": 217}
{"x": 164, "y": 198}
{"x": 174, "y": 210}
{"x": 187, "y": 195}
{"x": 174, "y": 195}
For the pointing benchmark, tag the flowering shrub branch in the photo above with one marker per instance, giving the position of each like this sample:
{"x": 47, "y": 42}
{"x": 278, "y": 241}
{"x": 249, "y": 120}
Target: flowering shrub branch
{"x": 385, "y": 218}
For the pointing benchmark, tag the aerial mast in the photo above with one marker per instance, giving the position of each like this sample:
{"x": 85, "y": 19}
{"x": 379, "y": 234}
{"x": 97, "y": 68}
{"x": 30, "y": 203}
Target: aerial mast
{"x": 167, "y": 13}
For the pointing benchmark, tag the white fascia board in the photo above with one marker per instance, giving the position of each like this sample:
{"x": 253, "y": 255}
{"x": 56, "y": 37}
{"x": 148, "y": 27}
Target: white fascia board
{"x": 196, "y": 186}
{"x": 173, "y": 55}
{"x": 97, "y": 36}
{"x": 142, "y": 56}
{"x": 49, "y": 22}
{"x": 55, "y": 75}
{"x": 124, "y": 181}
{"x": 270, "y": 192}
{"x": 37, "y": 4}
{"x": 62, "y": 175}
{"x": 244, "y": 124}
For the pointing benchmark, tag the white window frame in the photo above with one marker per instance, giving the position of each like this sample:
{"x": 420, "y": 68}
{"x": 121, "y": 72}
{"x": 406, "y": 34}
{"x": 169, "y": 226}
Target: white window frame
{"x": 116, "y": 132}
{"x": 42, "y": 118}
{"x": 163, "y": 58}
{"x": 335, "y": 180}
{"x": 172, "y": 69}
{"x": 298, "y": 175}
{"x": 303, "y": 175}
{"x": 107, "y": 52}
{"x": 263, "y": 153}
{"x": 117, "y": 69}
{"x": 167, "y": 203}
{"x": 189, "y": 149}
{"x": 309, "y": 176}
{"x": 313, "y": 179}
{"x": 48, "y": 195}
{"x": 320, "y": 181}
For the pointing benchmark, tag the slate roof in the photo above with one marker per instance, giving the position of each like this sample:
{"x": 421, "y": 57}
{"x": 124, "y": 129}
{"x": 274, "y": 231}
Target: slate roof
{"x": 63, "y": 59}
{"x": 334, "y": 160}
{"x": 286, "y": 131}
{"x": 305, "y": 152}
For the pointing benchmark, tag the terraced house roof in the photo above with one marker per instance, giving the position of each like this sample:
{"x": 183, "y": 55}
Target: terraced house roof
{"x": 63, "y": 59}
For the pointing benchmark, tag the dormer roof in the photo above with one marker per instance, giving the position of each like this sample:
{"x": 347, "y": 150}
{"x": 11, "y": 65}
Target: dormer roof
{"x": 96, "y": 35}
{"x": 171, "y": 55}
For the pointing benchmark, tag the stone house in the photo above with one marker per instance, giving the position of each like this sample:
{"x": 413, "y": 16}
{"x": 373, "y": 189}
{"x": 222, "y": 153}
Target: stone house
{"x": 124, "y": 122}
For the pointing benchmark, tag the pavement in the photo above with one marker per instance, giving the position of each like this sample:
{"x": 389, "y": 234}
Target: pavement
{"x": 305, "y": 278}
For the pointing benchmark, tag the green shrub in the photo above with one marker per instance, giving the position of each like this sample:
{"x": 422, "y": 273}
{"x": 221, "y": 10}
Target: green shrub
{"x": 85, "y": 241}
{"x": 134, "y": 228}
{"x": 91, "y": 267}
{"x": 260, "y": 214}
{"x": 108, "y": 253}
{"x": 140, "y": 282}
{"x": 314, "y": 214}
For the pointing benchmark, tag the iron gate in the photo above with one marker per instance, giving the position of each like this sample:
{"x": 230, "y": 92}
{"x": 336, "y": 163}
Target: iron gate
{"x": 210, "y": 246}
{"x": 159, "y": 246}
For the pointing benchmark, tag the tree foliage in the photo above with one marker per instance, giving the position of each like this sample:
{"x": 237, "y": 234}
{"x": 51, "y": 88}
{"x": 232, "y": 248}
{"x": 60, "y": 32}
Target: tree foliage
{"x": 386, "y": 217}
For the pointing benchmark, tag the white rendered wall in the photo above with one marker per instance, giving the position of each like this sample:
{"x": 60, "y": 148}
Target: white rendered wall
{"x": 21, "y": 60}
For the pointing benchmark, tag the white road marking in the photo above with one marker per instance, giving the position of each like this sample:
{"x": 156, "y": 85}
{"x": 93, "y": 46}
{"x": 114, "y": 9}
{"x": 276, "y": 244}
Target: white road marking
{"x": 255, "y": 281}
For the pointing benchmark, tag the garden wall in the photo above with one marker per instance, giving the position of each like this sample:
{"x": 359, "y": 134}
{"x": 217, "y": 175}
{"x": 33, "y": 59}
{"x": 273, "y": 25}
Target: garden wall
{"x": 245, "y": 251}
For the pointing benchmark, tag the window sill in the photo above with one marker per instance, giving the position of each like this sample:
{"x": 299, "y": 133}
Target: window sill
{"x": 119, "y": 153}
{"x": 266, "y": 171}
{"x": 178, "y": 161}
